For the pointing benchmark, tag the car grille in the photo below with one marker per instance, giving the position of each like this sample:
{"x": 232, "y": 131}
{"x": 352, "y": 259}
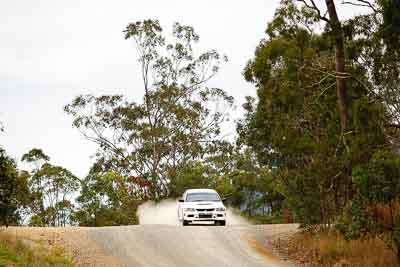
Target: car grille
{"x": 205, "y": 209}
{"x": 205, "y": 216}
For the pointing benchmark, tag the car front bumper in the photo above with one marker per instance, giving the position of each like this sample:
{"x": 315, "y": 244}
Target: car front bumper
{"x": 204, "y": 216}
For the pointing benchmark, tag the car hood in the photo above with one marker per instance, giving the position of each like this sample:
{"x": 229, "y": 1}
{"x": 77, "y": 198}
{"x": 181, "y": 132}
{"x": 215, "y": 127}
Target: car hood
{"x": 203, "y": 205}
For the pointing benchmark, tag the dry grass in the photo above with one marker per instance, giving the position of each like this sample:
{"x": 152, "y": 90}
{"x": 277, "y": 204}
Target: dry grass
{"x": 331, "y": 249}
{"x": 16, "y": 252}
{"x": 68, "y": 243}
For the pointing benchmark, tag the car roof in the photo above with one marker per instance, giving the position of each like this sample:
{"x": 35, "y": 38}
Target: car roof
{"x": 200, "y": 190}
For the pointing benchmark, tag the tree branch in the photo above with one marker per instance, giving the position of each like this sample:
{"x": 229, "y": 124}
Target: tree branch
{"x": 361, "y": 3}
{"x": 314, "y": 7}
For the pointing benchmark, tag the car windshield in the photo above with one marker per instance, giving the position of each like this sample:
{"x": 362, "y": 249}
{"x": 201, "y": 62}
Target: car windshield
{"x": 202, "y": 196}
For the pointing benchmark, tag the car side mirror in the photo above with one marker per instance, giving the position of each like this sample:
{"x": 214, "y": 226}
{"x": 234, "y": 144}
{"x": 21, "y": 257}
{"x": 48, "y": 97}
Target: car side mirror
{"x": 224, "y": 199}
{"x": 181, "y": 200}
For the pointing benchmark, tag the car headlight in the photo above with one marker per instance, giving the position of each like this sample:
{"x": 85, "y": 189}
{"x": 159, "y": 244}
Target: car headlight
{"x": 220, "y": 209}
{"x": 189, "y": 209}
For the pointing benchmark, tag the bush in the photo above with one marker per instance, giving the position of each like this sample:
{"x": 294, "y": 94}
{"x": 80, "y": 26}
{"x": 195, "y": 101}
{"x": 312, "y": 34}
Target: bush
{"x": 329, "y": 247}
{"x": 375, "y": 208}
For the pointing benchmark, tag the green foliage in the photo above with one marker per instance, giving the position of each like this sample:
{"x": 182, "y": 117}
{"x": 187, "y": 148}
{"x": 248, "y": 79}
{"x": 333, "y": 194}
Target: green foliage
{"x": 248, "y": 185}
{"x": 379, "y": 180}
{"x": 376, "y": 39}
{"x": 35, "y": 155}
{"x": 294, "y": 125}
{"x": 48, "y": 190}
{"x": 36, "y": 220}
{"x": 106, "y": 199}
{"x": 195, "y": 175}
{"x": 8, "y": 193}
{"x": 353, "y": 224}
{"x": 375, "y": 209}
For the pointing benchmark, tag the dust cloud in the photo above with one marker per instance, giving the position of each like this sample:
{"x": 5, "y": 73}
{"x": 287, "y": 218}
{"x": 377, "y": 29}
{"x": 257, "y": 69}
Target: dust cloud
{"x": 166, "y": 212}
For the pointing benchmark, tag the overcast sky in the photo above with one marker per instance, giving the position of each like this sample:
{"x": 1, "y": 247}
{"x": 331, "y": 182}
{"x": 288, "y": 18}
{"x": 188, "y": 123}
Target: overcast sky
{"x": 53, "y": 50}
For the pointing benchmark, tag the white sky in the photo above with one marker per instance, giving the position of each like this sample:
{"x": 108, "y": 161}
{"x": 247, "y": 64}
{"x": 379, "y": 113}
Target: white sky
{"x": 53, "y": 50}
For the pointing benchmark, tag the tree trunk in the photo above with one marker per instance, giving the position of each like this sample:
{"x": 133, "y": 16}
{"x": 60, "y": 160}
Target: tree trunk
{"x": 398, "y": 254}
{"x": 272, "y": 207}
{"x": 340, "y": 64}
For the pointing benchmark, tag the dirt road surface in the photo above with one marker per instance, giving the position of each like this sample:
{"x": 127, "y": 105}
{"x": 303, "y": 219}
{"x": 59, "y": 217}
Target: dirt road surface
{"x": 168, "y": 245}
{"x": 160, "y": 241}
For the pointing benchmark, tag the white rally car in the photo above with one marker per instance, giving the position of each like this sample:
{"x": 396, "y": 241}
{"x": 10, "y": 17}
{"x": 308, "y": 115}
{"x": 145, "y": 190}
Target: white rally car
{"x": 198, "y": 205}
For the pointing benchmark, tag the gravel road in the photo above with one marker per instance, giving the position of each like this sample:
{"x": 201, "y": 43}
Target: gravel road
{"x": 160, "y": 241}
{"x": 169, "y": 245}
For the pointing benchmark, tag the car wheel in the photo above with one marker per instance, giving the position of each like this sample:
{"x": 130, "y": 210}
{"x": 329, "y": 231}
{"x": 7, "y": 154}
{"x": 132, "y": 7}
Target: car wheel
{"x": 185, "y": 223}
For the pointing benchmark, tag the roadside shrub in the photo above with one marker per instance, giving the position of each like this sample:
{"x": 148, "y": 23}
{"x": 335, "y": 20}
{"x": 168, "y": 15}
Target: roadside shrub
{"x": 330, "y": 248}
